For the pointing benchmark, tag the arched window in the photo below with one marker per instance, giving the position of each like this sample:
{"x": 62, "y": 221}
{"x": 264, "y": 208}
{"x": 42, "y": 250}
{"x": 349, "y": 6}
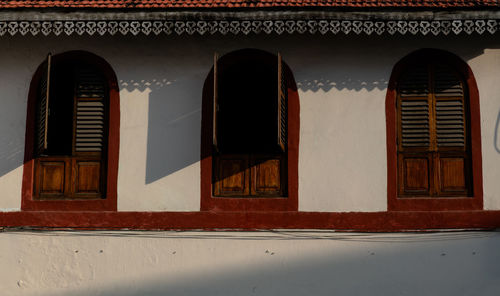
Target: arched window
{"x": 252, "y": 99}
{"x": 71, "y": 132}
{"x": 434, "y": 105}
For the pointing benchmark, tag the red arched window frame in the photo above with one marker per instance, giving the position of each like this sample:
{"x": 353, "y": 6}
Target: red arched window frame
{"x": 106, "y": 204}
{"x": 287, "y": 203}
{"x": 395, "y": 203}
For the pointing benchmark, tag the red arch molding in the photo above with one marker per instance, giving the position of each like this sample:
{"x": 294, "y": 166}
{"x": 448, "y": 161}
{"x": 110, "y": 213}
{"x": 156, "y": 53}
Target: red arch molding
{"x": 433, "y": 204}
{"x": 107, "y": 204}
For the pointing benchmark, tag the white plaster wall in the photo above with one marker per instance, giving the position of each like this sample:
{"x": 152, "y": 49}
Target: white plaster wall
{"x": 486, "y": 69}
{"x": 341, "y": 81}
{"x": 342, "y": 85}
{"x": 255, "y": 263}
{"x": 342, "y": 163}
{"x": 16, "y": 69}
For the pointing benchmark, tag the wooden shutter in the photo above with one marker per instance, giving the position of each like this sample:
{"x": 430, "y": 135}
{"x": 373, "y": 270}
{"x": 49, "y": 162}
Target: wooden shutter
{"x": 415, "y": 133}
{"x": 450, "y": 116}
{"x": 452, "y": 164}
{"x": 232, "y": 175}
{"x": 414, "y": 108}
{"x": 282, "y": 106}
{"x": 267, "y": 175}
{"x": 42, "y": 123}
{"x": 432, "y": 157}
{"x": 215, "y": 103}
{"x": 90, "y": 111}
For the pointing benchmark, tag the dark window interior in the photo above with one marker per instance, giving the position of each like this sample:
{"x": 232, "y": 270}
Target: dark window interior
{"x": 249, "y": 160}
{"x": 247, "y": 106}
{"x": 63, "y": 87}
{"x": 60, "y": 132}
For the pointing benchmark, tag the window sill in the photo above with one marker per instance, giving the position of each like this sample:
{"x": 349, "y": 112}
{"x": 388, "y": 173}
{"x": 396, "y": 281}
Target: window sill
{"x": 346, "y": 221}
{"x": 435, "y": 204}
{"x": 69, "y": 205}
{"x": 245, "y": 204}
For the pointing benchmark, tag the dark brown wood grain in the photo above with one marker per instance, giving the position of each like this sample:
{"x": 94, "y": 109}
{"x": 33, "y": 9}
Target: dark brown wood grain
{"x": 432, "y": 120}
{"x": 266, "y": 175}
{"x": 88, "y": 181}
{"x": 232, "y": 176}
{"x": 51, "y": 176}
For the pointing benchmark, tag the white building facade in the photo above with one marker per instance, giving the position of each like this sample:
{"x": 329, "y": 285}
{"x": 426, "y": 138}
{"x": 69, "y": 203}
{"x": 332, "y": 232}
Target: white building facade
{"x": 343, "y": 165}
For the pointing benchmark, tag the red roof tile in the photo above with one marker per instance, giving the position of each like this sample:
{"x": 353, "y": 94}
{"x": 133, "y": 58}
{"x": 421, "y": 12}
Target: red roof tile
{"x": 248, "y": 3}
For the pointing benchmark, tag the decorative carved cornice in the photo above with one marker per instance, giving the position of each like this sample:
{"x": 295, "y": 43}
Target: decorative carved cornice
{"x": 132, "y": 27}
{"x": 257, "y": 22}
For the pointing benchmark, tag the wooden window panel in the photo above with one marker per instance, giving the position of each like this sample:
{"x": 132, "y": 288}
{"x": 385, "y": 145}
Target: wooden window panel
{"x": 453, "y": 172}
{"x": 287, "y": 200}
{"x": 281, "y": 107}
{"x": 244, "y": 123}
{"x": 242, "y": 175}
{"x": 52, "y": 175}
{"x": 87, "y": 180}
{"x": 450, "y": 124}
{"x": 215, "y": 110}
{"x": 232, "y": 176}
{"x": 42, "y": 114}
{"x": 447, "y": 195}
{"x": 431, "y": 118}
{"x": 267, "y": 175}
{"x": 415, "y": 175}
{"x": 107, "y": 157}
{"x": 85, "y": 141}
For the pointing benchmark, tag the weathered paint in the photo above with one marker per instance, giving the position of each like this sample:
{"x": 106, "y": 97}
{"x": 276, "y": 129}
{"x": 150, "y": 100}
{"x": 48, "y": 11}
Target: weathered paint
{"x": 248, "y": 263}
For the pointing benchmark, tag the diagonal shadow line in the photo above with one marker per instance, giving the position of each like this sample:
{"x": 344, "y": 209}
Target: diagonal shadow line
{"x": 496, "y": 145}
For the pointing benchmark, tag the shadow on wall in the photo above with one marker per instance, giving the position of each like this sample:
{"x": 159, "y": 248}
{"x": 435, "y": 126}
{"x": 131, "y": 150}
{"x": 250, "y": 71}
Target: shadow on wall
{"x": 174, "y": 118}
{"x": 358, "y": 63}
{"x": 496, "y": 139}
{"x": 352, "y": 73}
{"x": 11, "y": 152}
{"x": 13, "y": 98}
{"x": 174, "y": 111}
{"x": 322, "y": 63}
{"x": 417, "y": 266}
{"x": 347, "y": 83}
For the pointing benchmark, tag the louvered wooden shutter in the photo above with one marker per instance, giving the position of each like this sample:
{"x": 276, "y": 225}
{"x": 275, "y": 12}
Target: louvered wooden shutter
{"x": 282, "y": 106}
{"x": 414, "y": 104}
{"x": 415, "y": 132}
{"x": 432, "y": 157}
{"x": 90, "y": 111}
{"x": 215, "y": 103}
{"x": 450, "y": 116}
{"x": 42, "y": 116}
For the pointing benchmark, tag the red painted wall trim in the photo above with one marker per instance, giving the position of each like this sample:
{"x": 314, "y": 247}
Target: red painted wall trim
{"x": 433, "y": 204}
{"x": 108, "y": 204}
{"x": 351, "y": 221}
{"x": 210, "y": 203}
